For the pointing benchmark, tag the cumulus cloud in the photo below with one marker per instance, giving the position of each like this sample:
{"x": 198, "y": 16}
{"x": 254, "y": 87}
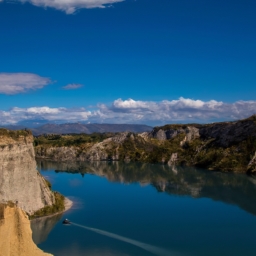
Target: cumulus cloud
{"x": 72, "y": 86}
{"x": 14, "y": 83}
{"x": 16, "y": 115}
{"x": 70, "y": 6}
{"x": 131, "y": 111}
{"x": 132, "y": 104}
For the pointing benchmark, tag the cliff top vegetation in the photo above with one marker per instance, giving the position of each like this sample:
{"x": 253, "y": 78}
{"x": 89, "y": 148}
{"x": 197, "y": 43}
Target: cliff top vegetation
{"x": 8, "y": 136}
{"x": 67, "y": 140}
{"x": 14, "y": 134}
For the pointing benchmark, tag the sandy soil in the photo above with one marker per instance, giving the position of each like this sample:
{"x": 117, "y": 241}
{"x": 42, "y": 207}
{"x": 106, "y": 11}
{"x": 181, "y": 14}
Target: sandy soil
{"x": 16, "y": 234}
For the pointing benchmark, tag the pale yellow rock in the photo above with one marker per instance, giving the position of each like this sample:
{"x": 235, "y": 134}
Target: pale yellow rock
{"x": 20, "y": 182}
{"x": 16, "y": 234}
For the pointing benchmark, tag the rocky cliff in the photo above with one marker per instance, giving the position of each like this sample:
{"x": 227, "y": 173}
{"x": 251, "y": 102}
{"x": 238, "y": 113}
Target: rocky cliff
{"x": 228, "y": 146}
{"x": 16, "y": 234}
{"x": 107, "y": 149}
{"x": 20, "y": 182}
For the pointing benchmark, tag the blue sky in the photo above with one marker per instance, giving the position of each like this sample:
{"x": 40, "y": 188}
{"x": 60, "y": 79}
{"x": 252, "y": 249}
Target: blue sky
{"x": 143, "y": 61}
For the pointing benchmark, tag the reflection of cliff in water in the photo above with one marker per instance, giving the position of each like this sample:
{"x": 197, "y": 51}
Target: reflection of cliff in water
{"x": 237, "y": 189}
{"x": 42, "y": 227}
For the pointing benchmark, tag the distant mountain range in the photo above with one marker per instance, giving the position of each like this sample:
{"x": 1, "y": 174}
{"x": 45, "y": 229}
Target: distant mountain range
{"x": 82, "y": 128}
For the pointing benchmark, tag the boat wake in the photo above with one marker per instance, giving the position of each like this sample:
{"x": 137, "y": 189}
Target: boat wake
{"x": 153, "y": 249}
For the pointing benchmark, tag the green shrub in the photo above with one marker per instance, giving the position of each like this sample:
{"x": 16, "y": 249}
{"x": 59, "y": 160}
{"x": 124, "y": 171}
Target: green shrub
{"x": 59, "y": 206}
{"x": 15, "y": 134}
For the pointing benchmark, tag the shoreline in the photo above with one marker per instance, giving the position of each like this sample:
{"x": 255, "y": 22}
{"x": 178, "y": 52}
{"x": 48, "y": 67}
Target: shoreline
{"x": 68, "y": 205}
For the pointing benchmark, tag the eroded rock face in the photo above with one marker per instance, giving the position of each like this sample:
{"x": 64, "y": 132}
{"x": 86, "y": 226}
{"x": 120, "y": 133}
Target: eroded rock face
{"x": 119, "y": 138}
{"x": 191, "y": 134}
{"x": 16, "y": 234}
{"x": 20, "y": 182}
{"x": 172, "y": 133}
{"x": 105, "y": 150}
{"x": 173, "y": 159}
{"x": 229, "y": 133}
{"x": 252, "y": 165}
{"x": 160, "y": 135}
{"x": 166, "y": 134}
{"x": 56, "y": 153}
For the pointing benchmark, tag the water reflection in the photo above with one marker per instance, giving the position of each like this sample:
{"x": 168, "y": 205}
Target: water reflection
{"x": 42, "y": 227}
{"x": 237, "y": 189}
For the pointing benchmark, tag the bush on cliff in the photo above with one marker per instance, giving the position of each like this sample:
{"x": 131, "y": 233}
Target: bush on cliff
{"x": 54, "y": 140}
{"x": 59, "y": 206}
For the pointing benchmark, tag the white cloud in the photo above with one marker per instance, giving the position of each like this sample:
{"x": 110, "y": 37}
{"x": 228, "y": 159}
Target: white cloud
{"x": 14, "y": 83}
{"x": 181, "y": 110}
{"x": 70, "y": 6}
{"x": 16, "y": 114}
{"x": 43, "y": 110}
{"x": 72, "y": 86}
{"x": 132, "y": 111}
{"x": 132, "y": 104}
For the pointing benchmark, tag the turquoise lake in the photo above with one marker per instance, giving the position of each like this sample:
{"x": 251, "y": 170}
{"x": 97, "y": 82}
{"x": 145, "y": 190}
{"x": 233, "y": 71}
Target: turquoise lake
{"x": 144, "y": 209}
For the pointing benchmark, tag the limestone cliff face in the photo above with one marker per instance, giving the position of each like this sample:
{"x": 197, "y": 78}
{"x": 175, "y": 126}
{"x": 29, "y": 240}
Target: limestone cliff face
{"x": 191, "y": 134}
{"x": 165, "y": 134}
{"x": 229, "y": 133}
{"x": 16, "y": 234}
{"x": 20, "y": 182}
{"x": 105, "y": 150}
{"x": 252, "y": 165}
{"x": 57, "y": 153}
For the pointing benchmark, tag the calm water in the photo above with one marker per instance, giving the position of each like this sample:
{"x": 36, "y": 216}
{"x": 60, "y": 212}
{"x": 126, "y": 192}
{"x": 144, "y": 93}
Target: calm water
{"x": 143, "y": 209}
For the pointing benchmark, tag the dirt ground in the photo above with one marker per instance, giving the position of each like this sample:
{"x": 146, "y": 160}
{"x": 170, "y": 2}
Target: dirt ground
{"x": 16, "y": 234}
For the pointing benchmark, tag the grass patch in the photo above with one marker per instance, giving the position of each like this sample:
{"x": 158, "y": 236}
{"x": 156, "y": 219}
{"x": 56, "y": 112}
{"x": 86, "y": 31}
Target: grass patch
{"x": 68, "y": 140}
{"x": 15, "y": 134}
{"x": 59, "y": 206}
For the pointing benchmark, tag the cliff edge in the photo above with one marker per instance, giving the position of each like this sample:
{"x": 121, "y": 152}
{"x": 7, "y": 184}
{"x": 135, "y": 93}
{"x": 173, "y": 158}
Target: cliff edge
{"x": 20, "y": 182}
{"x": 16, "y": 234}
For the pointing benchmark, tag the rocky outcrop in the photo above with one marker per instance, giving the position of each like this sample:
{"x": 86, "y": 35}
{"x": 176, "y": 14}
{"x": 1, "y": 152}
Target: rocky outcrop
{"x": 172, "y": 133}
{"x": 160, "y": 135}
{"x": 57, "y": 153}
{"x": 252, "y": 165}
{"x": 105, "y": 150}
{"x": 173, "y": 159}
{"x": 229, "y": 133}
{"x": 224, "y": 133}
{"x": 20, "y": 182}
{"x": 118, "y": 138}
{"x": 144, "y": 135}
{"x": 16, "y": 234}
{"x": 191, "y": 134}
{"x": 167, "y": 133}
{"x": 98, "y": 151}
